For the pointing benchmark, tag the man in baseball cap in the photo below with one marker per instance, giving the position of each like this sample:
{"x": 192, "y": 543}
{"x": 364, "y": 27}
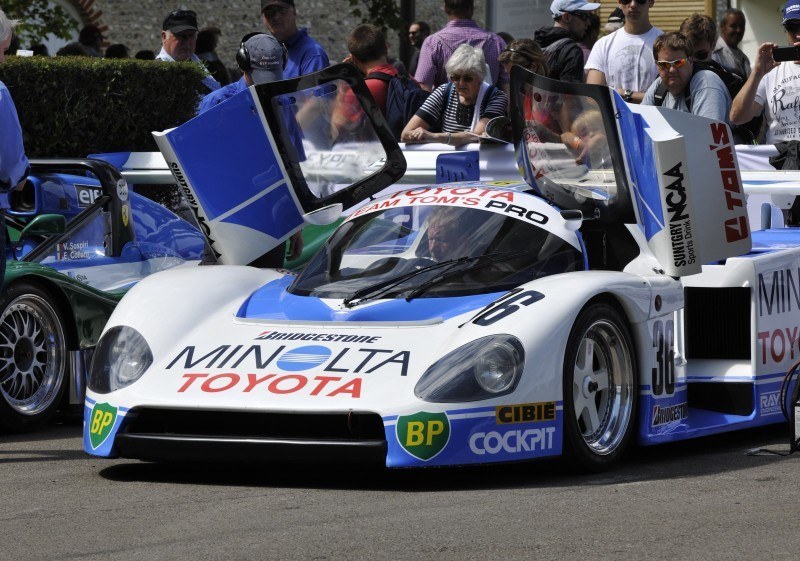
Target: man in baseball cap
{"x": 178, "y": 40}
{"x": 260, "y": 58}
{"x": 560, "y": 42}
{"x": 305, "y": 55}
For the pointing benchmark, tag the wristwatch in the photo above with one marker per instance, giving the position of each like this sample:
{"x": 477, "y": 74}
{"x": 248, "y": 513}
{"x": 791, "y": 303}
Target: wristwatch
{"x": 627, "y": 95}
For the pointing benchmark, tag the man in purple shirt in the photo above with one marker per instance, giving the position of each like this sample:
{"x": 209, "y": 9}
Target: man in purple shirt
{"x": 460, "y": 29}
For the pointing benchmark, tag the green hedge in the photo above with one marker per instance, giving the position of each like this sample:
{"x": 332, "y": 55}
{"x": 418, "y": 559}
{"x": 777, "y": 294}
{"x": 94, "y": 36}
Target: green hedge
{"x": 74, "y": 106}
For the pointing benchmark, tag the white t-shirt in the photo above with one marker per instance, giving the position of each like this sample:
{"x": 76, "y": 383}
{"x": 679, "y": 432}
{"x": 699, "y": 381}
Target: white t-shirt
{"x": 625, "y": 59}
{"x": 779, "y": 94}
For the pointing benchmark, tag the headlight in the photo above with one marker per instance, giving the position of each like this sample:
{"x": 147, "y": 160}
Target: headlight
{"x": 120, "y": 359}
{"x": 485, "y": 368}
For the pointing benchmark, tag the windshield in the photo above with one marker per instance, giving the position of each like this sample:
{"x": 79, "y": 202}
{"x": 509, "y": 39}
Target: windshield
{"x": 433, "y": 251}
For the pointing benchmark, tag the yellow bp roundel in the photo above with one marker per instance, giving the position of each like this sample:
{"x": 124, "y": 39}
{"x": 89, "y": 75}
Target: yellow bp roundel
{"x": 423, "y": 435}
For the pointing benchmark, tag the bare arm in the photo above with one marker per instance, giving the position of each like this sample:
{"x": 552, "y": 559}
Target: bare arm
{"x": 596, "y": 77}
{"x": 744, "y": 106}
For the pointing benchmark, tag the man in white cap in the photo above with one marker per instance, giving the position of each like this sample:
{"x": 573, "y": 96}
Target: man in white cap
{"x": 260, "y": 58}
{"x": 560, "y": 42}
{"x": 624, "y": 59}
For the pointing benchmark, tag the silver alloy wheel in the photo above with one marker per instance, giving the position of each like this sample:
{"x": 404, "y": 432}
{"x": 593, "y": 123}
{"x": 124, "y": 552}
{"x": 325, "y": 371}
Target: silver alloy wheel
{"x": 602, "y": 387}
{"x": 33, "y": 351}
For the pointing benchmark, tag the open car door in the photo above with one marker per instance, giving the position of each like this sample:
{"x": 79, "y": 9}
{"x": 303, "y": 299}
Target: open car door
{"x": 260, "y": 166}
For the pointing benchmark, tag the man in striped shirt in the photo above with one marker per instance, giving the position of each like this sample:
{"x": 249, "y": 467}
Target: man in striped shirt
{"x": 460, "y": 29}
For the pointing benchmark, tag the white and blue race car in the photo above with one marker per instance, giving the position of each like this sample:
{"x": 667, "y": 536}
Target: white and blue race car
{"x": 616, "y": 296}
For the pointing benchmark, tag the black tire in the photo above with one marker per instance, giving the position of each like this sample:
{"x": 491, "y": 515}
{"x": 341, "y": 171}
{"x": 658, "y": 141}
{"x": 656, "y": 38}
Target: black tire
{"x": 600, "y": 389}
{"x": 33, "y": 357}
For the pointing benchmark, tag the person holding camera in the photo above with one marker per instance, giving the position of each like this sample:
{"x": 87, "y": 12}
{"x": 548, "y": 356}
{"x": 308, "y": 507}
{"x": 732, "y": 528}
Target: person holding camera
{"x": 773, "y": 86}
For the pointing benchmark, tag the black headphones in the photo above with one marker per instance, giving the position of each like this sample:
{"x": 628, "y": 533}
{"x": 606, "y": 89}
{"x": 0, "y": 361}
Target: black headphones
{"x": 243, "y": 55}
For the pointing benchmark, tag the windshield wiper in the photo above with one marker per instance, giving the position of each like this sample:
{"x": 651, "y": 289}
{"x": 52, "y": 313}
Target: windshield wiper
{"x": 483, "y": 261}
{"x": 359, "y": 296}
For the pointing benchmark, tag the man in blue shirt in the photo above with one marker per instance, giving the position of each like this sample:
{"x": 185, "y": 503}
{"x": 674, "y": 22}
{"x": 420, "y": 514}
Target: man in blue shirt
{"x": 260, "y": 58}
{"x": 305, "y": 54}
{"x": 14, "y": 166}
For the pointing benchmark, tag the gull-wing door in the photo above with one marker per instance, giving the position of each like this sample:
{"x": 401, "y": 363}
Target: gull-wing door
{"x": 261, "y": 165}
{"x": 674, "y": 174}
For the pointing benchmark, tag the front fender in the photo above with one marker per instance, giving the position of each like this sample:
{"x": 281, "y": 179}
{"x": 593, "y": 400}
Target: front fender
{"x": 164, "y": 306}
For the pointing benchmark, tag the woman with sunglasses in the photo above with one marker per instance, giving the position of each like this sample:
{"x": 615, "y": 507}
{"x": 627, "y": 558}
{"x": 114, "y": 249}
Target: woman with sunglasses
{"x": 623, "y": 59}
{"x": 456, "y": 113}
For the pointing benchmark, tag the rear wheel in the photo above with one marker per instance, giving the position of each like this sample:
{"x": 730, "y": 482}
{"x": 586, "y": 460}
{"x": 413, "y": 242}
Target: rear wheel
{"x": 600, "y": 393}
{"x": 33, "y": 357}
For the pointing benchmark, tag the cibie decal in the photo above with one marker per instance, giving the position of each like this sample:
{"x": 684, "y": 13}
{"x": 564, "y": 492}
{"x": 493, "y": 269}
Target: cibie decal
{"x": 423, "y": 435}
{"x": 525, "y": 413}
{"x": 304, "y": 358}
{"x": 101, "y": 422}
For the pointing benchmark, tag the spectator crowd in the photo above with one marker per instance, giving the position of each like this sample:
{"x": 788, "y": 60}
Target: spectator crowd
{"x": 458, "y": 76}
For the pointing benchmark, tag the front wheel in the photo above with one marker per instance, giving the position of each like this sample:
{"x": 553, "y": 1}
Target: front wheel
{"x": 600, "y": 393}
{"x": 33, "y": 357}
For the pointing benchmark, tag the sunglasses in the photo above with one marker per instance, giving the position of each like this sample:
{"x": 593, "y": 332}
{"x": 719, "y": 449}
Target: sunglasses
{"x": 626, "y": 2}
{"x": 792, "y": 27}
{"x": 580, "y": 15}
{"x": 666, "y": 64}
{"x": 701, "y": 55}
{"x": 457, "y": 78}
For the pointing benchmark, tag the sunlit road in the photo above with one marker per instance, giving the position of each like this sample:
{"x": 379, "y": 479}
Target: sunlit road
{"x": 702, "y": 500}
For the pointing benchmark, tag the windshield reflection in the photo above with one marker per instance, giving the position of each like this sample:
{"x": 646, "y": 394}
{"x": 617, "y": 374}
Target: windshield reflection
{"x": 333, "y": 141}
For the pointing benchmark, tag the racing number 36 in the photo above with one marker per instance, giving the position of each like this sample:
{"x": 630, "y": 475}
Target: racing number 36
{"x": 664, "y": 371}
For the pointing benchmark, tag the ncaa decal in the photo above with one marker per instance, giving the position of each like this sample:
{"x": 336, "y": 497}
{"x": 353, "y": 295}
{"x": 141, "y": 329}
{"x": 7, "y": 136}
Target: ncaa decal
{"x": 101, "y": 422}
{"x": 423, "y": 435}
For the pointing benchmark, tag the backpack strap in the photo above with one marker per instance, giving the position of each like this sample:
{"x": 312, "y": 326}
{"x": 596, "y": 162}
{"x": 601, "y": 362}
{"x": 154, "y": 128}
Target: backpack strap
{"x": 378, "y": 75}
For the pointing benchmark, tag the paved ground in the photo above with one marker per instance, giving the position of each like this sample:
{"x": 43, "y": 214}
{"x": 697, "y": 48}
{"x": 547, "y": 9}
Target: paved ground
{"x": 702, "y": 500}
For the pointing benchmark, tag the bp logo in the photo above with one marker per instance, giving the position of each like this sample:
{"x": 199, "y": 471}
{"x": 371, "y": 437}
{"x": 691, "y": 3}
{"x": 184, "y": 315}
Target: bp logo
{"x": 423, "y": 435}
{"x": 101, "y": 422}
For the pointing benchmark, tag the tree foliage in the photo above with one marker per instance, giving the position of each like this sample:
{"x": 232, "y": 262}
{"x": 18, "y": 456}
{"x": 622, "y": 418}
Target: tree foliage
{"x": 381, "y": 13}
{"x": 38, "y": 19}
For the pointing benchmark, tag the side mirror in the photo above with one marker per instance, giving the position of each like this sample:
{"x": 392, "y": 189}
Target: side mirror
{"x": 574, "y": 219}
{"x": 45, "y": 225}
{"x": 499, "y": 128}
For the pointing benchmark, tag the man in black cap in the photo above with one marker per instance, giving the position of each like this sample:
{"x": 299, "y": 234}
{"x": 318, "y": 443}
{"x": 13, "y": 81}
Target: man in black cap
{"x": 305, "y": 54}
{"x": 178, "y": 39}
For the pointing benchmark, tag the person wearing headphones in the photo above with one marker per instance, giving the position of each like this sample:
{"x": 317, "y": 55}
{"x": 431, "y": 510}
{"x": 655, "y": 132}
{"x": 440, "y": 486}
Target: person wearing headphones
{"x": 261, "y": 59}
